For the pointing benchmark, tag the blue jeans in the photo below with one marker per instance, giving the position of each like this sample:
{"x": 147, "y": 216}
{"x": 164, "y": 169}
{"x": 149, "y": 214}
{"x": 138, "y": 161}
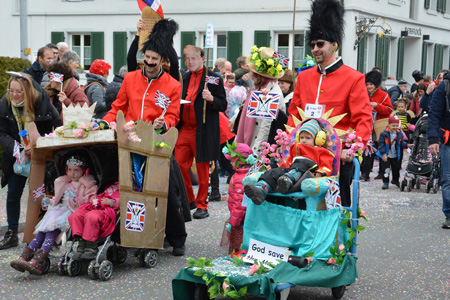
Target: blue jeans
{"x": 16, "y": 183}
{"x": 445, "y": 179}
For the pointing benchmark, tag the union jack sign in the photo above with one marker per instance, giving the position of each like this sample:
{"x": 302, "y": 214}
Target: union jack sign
{"x": 263, "y": 106}
{"x": 135, "y": 217}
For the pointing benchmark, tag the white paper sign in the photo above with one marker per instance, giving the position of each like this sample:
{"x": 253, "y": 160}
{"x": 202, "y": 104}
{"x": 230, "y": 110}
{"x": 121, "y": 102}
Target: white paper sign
{"x": 209, "y": 39}
{"x": 314, "y": 111}
{"x": 265, "y": 253}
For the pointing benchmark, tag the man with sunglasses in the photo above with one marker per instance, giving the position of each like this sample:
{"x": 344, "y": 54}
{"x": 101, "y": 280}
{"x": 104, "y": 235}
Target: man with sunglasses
{"x": 333, "y": 85}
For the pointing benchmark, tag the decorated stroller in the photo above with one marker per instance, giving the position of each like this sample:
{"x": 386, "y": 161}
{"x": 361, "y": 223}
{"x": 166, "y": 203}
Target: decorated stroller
{"x": 286, "y": 222}
{"x": 112, "y": 153}
{"x": 422, "y": 166}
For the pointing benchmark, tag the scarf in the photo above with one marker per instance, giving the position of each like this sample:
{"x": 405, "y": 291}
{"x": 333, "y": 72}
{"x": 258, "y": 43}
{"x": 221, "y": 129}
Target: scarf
{"x": 23, "y": 121}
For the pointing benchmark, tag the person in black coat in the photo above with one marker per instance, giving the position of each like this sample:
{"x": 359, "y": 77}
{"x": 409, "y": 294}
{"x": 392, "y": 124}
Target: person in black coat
{"x": 39, "y": 67}
{"x": 113, "y": 88}
{"x": 24, "y": 102}
{"x": 397, "y": 91}
{"x": 199, "y": 129}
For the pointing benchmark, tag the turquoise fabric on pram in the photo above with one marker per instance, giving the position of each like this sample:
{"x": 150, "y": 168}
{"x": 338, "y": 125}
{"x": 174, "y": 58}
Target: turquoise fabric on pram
{"x": 300, "y": 230}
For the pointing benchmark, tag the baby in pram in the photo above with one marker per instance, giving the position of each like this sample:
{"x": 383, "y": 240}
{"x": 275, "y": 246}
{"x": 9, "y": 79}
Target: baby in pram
{"x": 307, "y": 154}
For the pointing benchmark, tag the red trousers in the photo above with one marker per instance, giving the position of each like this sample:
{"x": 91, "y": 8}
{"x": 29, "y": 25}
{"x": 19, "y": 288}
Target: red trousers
{"x": 91, "y": 224}
{"x": 185, "y": 152}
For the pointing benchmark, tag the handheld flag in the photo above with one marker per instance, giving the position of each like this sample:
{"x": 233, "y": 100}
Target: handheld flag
{"x": 40, "y": 191}
{"x": 370, "y": 148}
{"x": 56, "y": 77}
{"x": 212, "y": 80}
{"x": 16, "y": 151}
{"x": 154, "y": 4}
{"x": 283, "y": 60}
{"x": 162, "y": 100}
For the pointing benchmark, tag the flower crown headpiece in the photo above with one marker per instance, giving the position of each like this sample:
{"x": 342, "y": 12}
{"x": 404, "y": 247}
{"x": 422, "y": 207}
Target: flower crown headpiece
{"x": 307, "y": 63}
{"x": 239, "y": 153}
{"x": 265, "y": 63}
{"x": 75, "y": 162}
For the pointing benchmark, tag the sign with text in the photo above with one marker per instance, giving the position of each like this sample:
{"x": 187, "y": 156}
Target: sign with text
{"x": 209, "y": 39}
{"x": 263, "y": 106}
{"x": 265, "y": 253}
{"x": 314, "y": 111}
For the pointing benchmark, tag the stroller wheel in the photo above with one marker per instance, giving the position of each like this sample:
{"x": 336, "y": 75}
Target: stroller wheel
{"x": 46, "y": 266}
{"x": 435, "y": 187}
{"x": 62, "y": 268}
{"x": 122, "y": 254}
{"x": 92, "y": 271}
{"x": 429, "y": 186}
{"x": 151, "y": 259}
{"x": 105, "y": 271}
{"x": 403, "y": 185}
{"x": 418, "y": 184}
{"x": 74, "y": 268}
{"x": 117, "y": 254}
{"x": 338, "y": 292}
{"x": 410, "y": 186}
{"x": 201, "y": 292}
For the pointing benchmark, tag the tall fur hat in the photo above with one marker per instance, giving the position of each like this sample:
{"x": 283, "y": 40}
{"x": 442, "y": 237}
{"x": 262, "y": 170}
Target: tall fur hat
{"x": 374, "y": 77}
{"x": 161, "y": 38}
{"x": 327, "y": 21}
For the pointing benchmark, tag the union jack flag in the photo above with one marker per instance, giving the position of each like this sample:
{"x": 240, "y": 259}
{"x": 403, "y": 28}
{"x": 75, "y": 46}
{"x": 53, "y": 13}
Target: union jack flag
{"x": 283, "y": 60}
{"x": 263, "y": 106}
{"x": 255, "y": 168}
{"x": 16, "y": 152}
{"x": 162, "y": 100}
{"x": 212, "y": 80}
{"x": 333, "y": 196}
{"x": 370, "y": 148}
{"x": 40, "y": 191}
{"x": 56, "y": 77}
{"x": 135, "y": 217}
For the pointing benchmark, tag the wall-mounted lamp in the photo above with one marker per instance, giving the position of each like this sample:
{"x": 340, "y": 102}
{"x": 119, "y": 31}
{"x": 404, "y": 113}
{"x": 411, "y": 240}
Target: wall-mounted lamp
{"x": 404, "y": 33}
{"x": 426, "y": 37}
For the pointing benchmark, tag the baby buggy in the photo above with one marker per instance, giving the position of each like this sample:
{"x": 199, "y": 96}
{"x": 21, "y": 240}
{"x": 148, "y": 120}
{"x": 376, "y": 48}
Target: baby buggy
{"x": 422, "y": 166}
{"x": 111, "y": 153}
{"x": 291, "y": 221}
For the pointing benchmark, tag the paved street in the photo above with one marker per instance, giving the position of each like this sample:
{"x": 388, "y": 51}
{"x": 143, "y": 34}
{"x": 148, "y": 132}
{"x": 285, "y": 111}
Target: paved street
{"x": 403, "y": 254}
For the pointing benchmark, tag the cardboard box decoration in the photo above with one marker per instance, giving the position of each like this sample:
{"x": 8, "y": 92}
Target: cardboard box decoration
{"x": 143, "y": 214}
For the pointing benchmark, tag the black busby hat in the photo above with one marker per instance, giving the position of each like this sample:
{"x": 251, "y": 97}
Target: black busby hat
{"x": 161, "y": 38}
{"x": 417, "y": 75}
{"x": 374, "y": 77}
{"x": 327, "y": 21}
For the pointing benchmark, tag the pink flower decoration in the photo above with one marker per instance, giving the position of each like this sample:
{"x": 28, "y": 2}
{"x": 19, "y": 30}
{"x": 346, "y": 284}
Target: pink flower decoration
{"x": 132, "y": 136}
{"x": 362, "y": 214}
{"x": 128, "y": 126}
{"x": 78, "y": 133}
{"x": 254, "y": 269}
{"x": 352, "y": 135}
{"x": 309, "y": 259}
{"x": 266, "y": 151}
{"x": 82, "y": 126}
{"x": 341, "y": 247}
{"x": 113, "y": 125}
{"x": 224, "y": 285}
{"x": 331, "y": 261}
{"x": 351, "y": 151}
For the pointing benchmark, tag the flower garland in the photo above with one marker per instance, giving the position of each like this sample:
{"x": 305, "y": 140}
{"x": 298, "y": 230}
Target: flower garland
{"x": 78, "y": 130}
{"x": 355, "y": 144}
{"x": 265, "y": 64}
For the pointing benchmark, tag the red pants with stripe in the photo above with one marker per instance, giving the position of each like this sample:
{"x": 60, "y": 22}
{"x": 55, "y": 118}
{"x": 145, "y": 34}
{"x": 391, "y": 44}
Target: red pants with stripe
{"x": 185, "y": 152}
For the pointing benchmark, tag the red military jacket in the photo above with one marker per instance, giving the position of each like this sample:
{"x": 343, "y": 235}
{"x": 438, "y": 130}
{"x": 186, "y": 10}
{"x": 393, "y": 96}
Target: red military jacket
{"x": 138, "y": 95}
{"x": 384, "y": 106}
{"x": 342, "y": 89}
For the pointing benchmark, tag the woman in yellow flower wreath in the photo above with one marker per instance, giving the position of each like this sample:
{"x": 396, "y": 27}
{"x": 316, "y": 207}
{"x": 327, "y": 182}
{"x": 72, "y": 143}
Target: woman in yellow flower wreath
{"x": 265, "y": 72}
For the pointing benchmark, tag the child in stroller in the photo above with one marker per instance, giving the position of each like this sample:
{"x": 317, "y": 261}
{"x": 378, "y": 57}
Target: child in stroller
{"x": 307, "y": 154}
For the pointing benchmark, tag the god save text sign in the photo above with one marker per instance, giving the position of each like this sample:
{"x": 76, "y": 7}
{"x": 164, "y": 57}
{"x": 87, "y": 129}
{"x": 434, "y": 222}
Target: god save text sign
{"x": 265, "y": 253}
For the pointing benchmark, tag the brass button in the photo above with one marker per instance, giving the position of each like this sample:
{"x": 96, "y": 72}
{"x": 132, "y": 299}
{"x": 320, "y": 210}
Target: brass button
{"x": 321, "y": 91}
{"x": 324, "y": 77}
{"x": 146, "y": 94}
{"x": 145, "y": 107}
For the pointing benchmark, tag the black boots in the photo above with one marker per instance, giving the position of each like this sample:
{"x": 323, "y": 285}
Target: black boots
{"x": 9, "y": 240}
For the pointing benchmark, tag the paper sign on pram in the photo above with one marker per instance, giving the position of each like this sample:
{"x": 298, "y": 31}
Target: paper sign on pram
{"x": 265, "y": 253}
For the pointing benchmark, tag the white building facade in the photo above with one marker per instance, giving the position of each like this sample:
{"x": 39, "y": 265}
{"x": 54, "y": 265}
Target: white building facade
{"x": 404, "y": 36}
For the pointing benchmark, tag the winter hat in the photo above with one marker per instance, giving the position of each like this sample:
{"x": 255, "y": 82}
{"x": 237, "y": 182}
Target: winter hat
{"x": 394, "y": 120}
{"x": 160, "y": 39}
{"x": 99, "y": 67}
{"x": 417, "y": 75}
{"x": 374, "y": 77}
{"x": 239, "y": 153}
{"x": 240, "y": 72}
{"x": 327, "y": 21}
{"x": 239, "y": 94}
{"x": 311, "y": 126}
{"x": 287, "y": 77}
{"x": 402, "y": 83}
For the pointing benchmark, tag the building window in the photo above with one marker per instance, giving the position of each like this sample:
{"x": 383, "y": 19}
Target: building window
{"x": 81, "y": 44}
{"x": 284, "y": 46}
{"x": 219, "y": 50}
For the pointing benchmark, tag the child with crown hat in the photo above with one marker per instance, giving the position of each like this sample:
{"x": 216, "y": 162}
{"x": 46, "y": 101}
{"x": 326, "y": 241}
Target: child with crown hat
{"x": 71, "y": 190}
{"x": 307, "y": 154}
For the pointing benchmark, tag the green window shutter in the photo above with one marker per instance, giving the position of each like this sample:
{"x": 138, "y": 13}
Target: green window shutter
{"x": 119, "y": 50}
{"x": 444, "y": 6}
{"x": 262, "y": 38}
{"x": 385, "y": 59}
{"x": 438, "y": 59}
{"x": 97, "y": 45}
{"x": 57, "y": 37}
{"x": 400, "y": 58}
{"x": 307, "y": 49}
{"x": 362, "y": 55}
{"x": 427, "y": 4}
{"x": 424, "y": 57}
{"x": 187, "y": 38}
{"x": 378, "y": 52}
{"x": 234, "y": 47}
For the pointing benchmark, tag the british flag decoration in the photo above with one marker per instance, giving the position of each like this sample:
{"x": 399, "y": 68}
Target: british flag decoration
{"x": 40, "y": 191}
{"x": 212, "y": 80}
{"x": 16, "y": 151}
{"x": 263, "y": 106}
{"x": 283, "y": 60}
{"x": 162, "y": 100}
{"x": 370, "y": 148}
{"x": 255, "y": 168}
{"x": 135, "y": 217}
{"x": 56, "y": 77}
{"x": 333, "y": 196}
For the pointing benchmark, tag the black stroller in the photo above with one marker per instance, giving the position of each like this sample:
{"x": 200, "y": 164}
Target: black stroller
{"x": 422, "y": 167}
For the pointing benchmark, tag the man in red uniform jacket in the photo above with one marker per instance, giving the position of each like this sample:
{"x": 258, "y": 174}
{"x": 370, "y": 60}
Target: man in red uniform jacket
{"x": 381, "y": 109}
{"x": 199, "y": 133}
{"x": 333, "y": 84}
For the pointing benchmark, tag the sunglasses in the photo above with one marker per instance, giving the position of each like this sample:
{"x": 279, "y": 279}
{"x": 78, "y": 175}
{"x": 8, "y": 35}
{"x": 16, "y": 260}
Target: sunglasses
{"x": 319, "y": 44}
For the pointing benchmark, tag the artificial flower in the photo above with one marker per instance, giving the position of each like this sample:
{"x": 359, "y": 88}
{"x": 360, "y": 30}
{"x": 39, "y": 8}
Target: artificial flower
{"x": 254, "y": 48}
{"x": 254, "y": 55}
{"x": 309, "y": 259}
{"x": 258, "y": 63}
{"x": 113, "y": 125}
{"x": 224, "y": 285}
{"x": 78, "y": 133}
{"x": 279, "y": 68}
{"x": 128, "y": 126}
{"x": 132, "y": 136}
{"x": 254, "y": 269}
{"x": 270, "y": 62}
{"x": 341, "y": 247}
{"x": 271, "y": 71}
{"x": 331, "y": 261}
